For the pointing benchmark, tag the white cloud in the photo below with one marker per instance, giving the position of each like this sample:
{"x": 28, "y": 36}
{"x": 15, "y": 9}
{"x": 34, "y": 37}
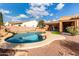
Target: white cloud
{"x": 22, "y": 16}
{"x": 4, "y": 11}
{"x": 10, "y": 18}
{"x": 38, "y": 10}
{"x": 14, "y": 19}
{"x": 59, "y": 6}
{"x": 39, "y": 4}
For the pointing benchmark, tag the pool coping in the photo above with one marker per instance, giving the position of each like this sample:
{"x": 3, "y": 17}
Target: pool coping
{"x": 25, "y": 46}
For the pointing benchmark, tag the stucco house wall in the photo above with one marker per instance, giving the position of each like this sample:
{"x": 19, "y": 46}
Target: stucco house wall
{"x": 7, "y": 24}
{"x": 32, "y": 23}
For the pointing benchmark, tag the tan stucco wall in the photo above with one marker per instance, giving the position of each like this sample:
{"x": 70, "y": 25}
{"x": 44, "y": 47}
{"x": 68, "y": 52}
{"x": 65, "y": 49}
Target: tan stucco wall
{"x": 77, "y": 22}
{"x": 60, "y": 26}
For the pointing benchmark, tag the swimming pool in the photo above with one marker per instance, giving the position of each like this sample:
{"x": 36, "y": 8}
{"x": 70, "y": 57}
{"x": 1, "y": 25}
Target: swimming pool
{"x": 29, "y": 37}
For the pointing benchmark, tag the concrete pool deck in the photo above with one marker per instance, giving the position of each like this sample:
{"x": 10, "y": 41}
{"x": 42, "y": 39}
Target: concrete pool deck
{"x": 50, "y": 38}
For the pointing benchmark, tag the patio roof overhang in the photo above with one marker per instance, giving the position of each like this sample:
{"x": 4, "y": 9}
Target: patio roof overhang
{"x": 67, "y": 20}
{"x": 57, "y": 22}
{"x": 53, "y": 22}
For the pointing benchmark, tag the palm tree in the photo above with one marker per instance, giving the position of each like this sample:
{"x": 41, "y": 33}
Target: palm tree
{"x": 41, "y": 24}
{"x": 1, "y": 19}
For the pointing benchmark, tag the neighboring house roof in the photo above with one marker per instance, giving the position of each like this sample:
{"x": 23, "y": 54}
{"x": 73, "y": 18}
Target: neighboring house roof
{"x": 19, "y": 22}
{"x": 52, "y": 22}
{"x": 13, "y": 23}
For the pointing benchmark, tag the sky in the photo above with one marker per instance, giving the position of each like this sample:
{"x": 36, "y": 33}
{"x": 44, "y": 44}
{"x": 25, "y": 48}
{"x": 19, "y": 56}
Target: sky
{"x": 37, "y": 11}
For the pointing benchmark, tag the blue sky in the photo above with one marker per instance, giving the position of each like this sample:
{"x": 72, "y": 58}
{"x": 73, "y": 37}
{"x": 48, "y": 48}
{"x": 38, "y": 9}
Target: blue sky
{"x": 33, "y": 11}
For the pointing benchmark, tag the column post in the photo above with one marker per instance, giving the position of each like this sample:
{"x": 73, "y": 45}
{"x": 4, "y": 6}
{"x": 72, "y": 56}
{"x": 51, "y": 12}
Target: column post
{"x": 60, "y": 26}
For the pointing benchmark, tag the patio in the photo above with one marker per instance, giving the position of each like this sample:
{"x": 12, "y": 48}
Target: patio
{"x": 67, "y": 47}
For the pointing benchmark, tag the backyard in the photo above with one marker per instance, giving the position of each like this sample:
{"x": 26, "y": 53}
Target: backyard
{"x": 36, "y": 33}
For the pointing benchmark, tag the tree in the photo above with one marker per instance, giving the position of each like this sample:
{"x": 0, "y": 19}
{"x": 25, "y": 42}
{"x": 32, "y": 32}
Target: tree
{"x": 1, "y": 19}
{"x": 41, "y": 24}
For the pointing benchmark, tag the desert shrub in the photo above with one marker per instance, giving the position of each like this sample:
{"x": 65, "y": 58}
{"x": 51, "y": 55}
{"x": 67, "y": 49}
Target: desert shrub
{"x": 77, "y": 30}
{"x": 72, "y": 30}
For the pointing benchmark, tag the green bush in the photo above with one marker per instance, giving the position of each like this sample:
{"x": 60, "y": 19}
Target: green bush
{"x": 72, "y": 30}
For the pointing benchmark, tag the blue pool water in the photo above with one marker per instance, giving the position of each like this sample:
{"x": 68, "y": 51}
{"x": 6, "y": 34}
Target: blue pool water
{"x": 25, "y": 38}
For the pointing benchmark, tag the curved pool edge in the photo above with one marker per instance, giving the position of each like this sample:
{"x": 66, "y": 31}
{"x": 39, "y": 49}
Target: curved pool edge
{"x": 26, "y": 46}
{"x": 30, "y": 37}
